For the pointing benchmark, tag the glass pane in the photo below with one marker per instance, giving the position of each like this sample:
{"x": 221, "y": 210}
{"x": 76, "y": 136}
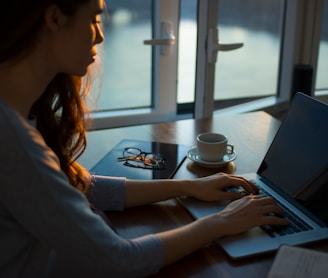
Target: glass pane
{"x": 251, "y": 71}
{"x": 187, "y": 51}
{"x": 322, "y": 72}
{"x": 127, "y": 61}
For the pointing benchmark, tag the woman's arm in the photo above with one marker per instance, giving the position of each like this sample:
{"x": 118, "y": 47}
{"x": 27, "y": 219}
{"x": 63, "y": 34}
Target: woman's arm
{"x": 207, "y": 189}
{"x": 237, "y": 217}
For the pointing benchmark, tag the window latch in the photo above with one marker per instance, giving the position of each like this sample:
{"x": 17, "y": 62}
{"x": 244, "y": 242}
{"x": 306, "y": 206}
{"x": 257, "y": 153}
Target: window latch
{"x": 213, "y": 46}
{"x": 167, "y": 40}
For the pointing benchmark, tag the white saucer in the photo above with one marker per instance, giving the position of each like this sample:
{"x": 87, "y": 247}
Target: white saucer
{"x": 194, "y": 156}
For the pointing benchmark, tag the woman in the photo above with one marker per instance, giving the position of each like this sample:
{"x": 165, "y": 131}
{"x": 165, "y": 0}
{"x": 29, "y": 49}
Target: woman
{"x": 48, "y": 226}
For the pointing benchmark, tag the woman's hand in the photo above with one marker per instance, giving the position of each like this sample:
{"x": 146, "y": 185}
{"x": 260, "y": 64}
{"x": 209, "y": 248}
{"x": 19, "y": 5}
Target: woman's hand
{"x": 211, "y": 188}
{"x": 239, "y": 216}
{"x": 251, "y": 211}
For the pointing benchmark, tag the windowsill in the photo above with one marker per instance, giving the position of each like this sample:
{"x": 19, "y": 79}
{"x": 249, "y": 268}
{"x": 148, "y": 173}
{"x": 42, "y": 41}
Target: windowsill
{"x": 270, "y": 105}
{"x": 110, "y": 119}
{"x": 275, "y": 106}
{"x": 119, "y": 113}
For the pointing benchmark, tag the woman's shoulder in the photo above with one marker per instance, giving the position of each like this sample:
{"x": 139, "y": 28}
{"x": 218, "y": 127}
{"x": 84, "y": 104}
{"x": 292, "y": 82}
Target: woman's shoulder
{"x": 19, "y": 138}
{"x": 13, "y": 126}
{"x": 11, "y": 120}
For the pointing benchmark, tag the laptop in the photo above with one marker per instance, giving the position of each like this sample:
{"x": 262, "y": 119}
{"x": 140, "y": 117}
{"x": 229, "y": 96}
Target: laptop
{"x": 294, "y": 172}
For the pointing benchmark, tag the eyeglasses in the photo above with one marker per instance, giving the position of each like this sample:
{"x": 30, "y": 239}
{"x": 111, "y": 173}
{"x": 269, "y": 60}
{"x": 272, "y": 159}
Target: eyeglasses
{"x": 134, "y": 157}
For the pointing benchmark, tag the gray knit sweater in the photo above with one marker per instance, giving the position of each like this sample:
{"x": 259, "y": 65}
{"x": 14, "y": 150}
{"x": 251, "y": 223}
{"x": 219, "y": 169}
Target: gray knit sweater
{"x": 47, "y": 228}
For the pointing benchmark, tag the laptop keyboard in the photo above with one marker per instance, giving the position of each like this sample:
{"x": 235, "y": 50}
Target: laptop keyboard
{"x": 296, "y": 224}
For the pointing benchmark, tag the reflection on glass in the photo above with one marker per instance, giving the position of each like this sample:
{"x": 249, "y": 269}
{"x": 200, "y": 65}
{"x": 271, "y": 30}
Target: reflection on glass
{"x": 251, "y": 71}
{"x": 126, "y": 61}
{"x": 187, "y": 51}
{"x": 322, "y": 72}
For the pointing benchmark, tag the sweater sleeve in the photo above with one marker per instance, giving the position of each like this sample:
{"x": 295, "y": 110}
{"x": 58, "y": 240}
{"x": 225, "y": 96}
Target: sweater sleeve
{"x": 44, "y": 209}
{"x": 107, "y": 193}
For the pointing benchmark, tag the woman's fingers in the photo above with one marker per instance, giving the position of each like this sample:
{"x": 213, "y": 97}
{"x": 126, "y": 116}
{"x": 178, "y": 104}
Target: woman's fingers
{"x": 238, "y": 181}
{"x": 251, "y": 211}
{"x": 273, "y": 214}
{"x": 247, "y": 185}
{"x": 234, "y": 195}
{"x": 258, "y": 206}
{"x": 272, "y": 210}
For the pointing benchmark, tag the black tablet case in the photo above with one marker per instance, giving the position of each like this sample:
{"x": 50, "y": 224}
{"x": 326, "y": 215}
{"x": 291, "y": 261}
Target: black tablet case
{"x": 109, "y": 166}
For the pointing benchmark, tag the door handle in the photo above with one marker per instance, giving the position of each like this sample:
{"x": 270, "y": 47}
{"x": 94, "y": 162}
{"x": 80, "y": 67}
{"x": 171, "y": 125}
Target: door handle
{"x": 213, "y": 46}
{"x": 167, "y": 40}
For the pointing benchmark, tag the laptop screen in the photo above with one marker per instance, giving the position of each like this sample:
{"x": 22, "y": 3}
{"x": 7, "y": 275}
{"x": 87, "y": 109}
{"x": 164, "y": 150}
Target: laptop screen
{"x": 297, "y": 160}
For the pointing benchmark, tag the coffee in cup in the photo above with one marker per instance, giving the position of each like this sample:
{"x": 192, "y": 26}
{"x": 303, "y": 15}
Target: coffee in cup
{"x": 213, "y": 146}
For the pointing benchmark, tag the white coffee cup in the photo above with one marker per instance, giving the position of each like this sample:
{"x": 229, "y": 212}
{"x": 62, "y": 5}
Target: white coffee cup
{"x": 213, "y": 146}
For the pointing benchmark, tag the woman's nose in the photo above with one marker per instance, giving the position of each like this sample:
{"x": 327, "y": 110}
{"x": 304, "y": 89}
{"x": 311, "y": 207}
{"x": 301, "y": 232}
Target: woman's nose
{"x": 99, "y": 35}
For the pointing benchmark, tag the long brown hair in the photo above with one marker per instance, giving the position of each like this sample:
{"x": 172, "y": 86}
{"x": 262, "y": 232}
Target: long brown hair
{"x": 60, "y": 111}
{"x": 60, "y": 115}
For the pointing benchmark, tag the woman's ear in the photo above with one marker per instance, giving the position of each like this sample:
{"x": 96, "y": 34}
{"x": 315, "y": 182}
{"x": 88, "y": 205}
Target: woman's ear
{"x": 54, "y": 18}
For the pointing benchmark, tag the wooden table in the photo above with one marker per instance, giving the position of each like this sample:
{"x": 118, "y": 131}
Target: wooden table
{"x": 251, "y": 135}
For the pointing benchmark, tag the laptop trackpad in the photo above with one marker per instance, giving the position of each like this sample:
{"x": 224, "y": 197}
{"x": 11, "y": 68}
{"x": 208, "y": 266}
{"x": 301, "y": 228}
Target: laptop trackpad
{"x": 255, "y": 241}
{"x": 199, "y": 209}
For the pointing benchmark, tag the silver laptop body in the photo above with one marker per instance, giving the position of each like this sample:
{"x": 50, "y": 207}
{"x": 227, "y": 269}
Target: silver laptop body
{"x": 294, "y": 171}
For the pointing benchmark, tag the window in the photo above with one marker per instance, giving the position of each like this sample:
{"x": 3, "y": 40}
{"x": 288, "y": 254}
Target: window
{"x": 139, "y": 81}
{"x": 144, "y": 84}
{"x": 252, "y": 71}
{"x": 239, "y": 75}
